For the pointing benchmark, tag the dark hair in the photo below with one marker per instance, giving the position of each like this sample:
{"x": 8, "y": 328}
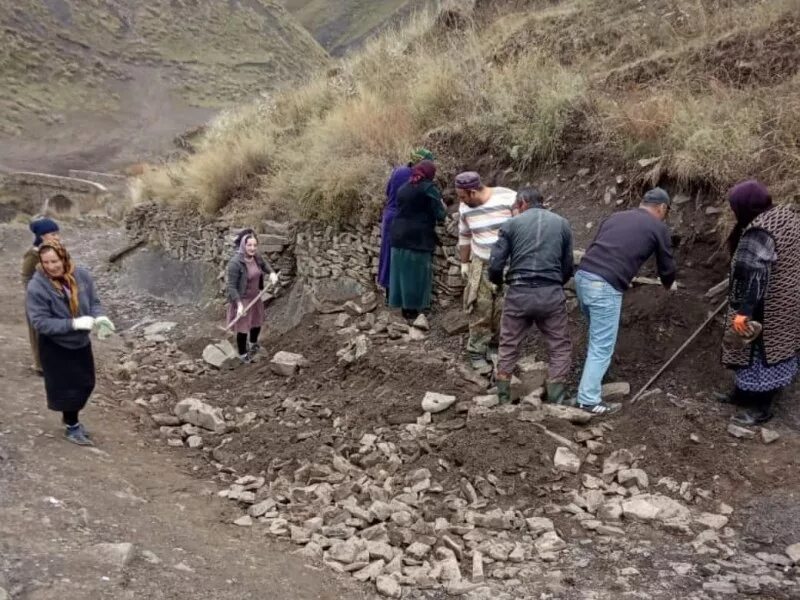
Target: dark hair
{"x": 530, "y": 196}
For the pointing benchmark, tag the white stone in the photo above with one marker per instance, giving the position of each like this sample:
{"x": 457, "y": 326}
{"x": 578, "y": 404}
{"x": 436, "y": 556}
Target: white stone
{"x": 194, "y": 441}
{"x": 793, "y": 552}
{"x": 370, "y": 572}
{"x": 615, "y": 391}
{"x": 634, "y": 476}
{"x": 114, "y": 555}
{"x": 640, "y": 509}
{"x": 418, "y": 550}
{"x": 477, "y": 567}
{"x": 421, "y": 322}
{"x": 711, "y": 520}
{"x": 740, "y": 432}
{"x": 434, "y": 402}
{"x": 159, "y": 328}
{"x": 197, "y": 412}
{"x": 245, "y": 521}
{"x": 287, "y": 364}
{"x": 567, "y": 413}
{"x": 388, "y": 586}
{"x": 549, "y": 542}
{"x": 216, "y": 354}
{"x": 488, "y": 401}
{"x": 768, "y": 435}
{"x": 539, "y": 525}
{"x": 566, "y": 460}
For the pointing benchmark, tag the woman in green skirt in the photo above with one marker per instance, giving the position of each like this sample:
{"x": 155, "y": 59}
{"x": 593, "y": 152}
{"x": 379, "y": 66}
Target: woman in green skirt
{"x": 413, "y": 235}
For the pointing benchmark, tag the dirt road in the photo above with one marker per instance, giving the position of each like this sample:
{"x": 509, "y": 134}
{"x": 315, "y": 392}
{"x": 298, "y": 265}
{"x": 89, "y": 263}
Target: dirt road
{"x": 58, "y": 501}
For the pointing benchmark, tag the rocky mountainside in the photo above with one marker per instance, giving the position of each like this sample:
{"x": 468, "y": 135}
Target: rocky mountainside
{"x": 104, "y": 75}
{"x": 341, "y": 25}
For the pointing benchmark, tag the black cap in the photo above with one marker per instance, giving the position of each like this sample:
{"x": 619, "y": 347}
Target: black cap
{"x": 657, "y": 196}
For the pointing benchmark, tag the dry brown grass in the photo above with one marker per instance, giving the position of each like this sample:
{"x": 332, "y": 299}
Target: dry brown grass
{"x": 324, "y": 149}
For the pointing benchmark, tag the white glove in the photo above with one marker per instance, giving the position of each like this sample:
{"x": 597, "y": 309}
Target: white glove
{"x": 239, "y": 309}
{"x": 83, "y": 323}
{"x": 273, "y": 278}
{"x": 464, "y": 270}
{"x": 104, "y": 327}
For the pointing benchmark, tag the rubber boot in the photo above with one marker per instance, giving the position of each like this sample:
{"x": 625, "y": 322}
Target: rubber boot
{"x": 504, "y": 391}
{"x": 479, "y": 363}
{"x": 556, "y": 393}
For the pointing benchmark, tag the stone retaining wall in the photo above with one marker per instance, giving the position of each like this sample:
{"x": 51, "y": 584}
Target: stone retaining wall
{"x": 322, "y": 254}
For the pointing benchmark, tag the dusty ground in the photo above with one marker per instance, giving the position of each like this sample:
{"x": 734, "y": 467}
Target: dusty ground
{"x": 57, "y": 500}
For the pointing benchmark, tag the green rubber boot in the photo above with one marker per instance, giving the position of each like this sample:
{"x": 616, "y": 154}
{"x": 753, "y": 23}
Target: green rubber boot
{"x": 556, "y": 393}
{"x": 504, "y": 391}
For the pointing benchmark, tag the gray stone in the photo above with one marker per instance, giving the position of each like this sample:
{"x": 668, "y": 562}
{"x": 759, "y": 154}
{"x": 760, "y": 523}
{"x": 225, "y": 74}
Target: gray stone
{"x": 346, "y": 551}
{"x": 711, "y": 520}
{"x": 380, "y": 550}
{"x": 566, "y": 460}
{"x": 639, "y": 509}
{"x": 616, "y": 461}
{"x": 159, "y": 328}
{"x": 720, "y": 587}
{"x": 245, "y": 521}
{"x": 197, "y": 412}
{"x": 488, "y": 401}
{"x": 219, "y": 353}
{"x": 287, "y": 364}
{"x": 615, "y": 391}
{"x": 567, "y": 413}
{"x": 633, "y": 476}
{"x": 434, "y": 403}
{"x": 648, "y": 507}
{"x": 421, "y": 323}
{"x": 611, "y": 510}
{"x": 418, "y": 550}
{"x": 740, "y": 432}
{"x": 194, "y": 441}
{"x": 539, "y": 525}
{"x": 768, "y": 435}
{"x": 549, "y": 542}
{"x": 793, "y": 552}
{"x": 165, "y": 420}
{"x": 370, "y": 572}
{"x": 388, "y": 586}
{"x": 262, "y": 508}
{"x": 114, "y": 555}
{"x": 775, "y": 559}
{"x": 477, "y": 567}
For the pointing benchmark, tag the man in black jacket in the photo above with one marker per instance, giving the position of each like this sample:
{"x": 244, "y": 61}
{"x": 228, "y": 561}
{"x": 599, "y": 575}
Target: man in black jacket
{"x": 538, "y": 245}
{"x": 623, "y": 243}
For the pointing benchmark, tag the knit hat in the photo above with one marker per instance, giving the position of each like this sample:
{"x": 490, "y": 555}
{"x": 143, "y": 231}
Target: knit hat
{"x": 657, "y": 196}
{"x": 421, "y": 154}
{"x": 41, "y": 227}
{"x": 468, "y": 180}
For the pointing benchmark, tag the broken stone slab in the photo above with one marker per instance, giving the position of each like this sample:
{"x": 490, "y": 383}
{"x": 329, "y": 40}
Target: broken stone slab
{"x": 346, "y": 552}
{"x": 194, "y": 441}
{"x": 487, "y": 401}
{"x": 217, "y": 355}
{"x": 566, "y": 460}
{"x": 435, "y": 403}
{"x": 114, "y": 555}
{"x": 421, "y": 323}
{"x": 567, "y": 413}
{"x": 201, "y": 414}
{"x": 165, "y": 420}
{"x": 370, "y": 572}
{"x": 615, "y": 391}
{"x": 637, "y": 477}
{"x": 549, "y": 542}
{"x": 740, "y": 432}
{"x": 649, "y": 507}
{"x": 245, "y": 521}
{"x": 617, "y": 460}
{"x": 158, "y": 328}
{"x": 720, "y": 587}
{"x": 793, "y": 552}
{"x": 539, "y": 525}
{"x": 418, "y": 550}
{"x": 768, "y": 435}
{"x": 287, "y": 364}
{"x": 711, "y": 520}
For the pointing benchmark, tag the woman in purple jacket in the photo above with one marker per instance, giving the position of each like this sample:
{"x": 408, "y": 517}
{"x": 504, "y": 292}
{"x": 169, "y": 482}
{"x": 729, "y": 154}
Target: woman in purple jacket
{"x": 399, "y": 177}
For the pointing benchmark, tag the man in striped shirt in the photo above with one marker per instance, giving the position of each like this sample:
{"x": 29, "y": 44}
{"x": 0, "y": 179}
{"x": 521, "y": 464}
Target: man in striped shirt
{"x": 482, "y": 211}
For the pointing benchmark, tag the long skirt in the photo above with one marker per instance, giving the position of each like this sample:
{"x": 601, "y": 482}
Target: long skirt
{"x": 384, "y": 259}
{"x": 411, "y": 279}
{"x": 68, "y": 375}
{"x": 760, "y": 377}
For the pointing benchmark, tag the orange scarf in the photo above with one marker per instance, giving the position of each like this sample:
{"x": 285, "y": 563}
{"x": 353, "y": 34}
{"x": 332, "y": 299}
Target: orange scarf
{"x": 66, "y": 284}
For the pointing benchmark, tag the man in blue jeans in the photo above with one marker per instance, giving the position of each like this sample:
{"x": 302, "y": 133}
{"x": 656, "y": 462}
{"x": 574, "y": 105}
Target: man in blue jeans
{"x": 623, "y": 243}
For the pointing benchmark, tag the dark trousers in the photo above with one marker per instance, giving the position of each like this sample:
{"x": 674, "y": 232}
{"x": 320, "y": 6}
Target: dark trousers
{"x": 760, "y": 402}
{"x": 241, "y": 339}
{"x": 70, "y": 417}
{"x": 545, "y": 307}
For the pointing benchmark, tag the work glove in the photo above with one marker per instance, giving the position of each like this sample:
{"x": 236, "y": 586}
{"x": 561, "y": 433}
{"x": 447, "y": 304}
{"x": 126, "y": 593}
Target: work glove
{"x": 741, "y": 325}
{"x": 464, "y": 270}
{"x": 83, "y": 323}
{"x": 239, "y": 310}
{"x": 103, "y": 327}
{"x": 273, "y": 278}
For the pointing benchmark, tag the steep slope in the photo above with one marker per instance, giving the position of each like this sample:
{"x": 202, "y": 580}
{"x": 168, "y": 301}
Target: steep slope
{"x": 344, "y": 24}
{"x": 98, "y": 72}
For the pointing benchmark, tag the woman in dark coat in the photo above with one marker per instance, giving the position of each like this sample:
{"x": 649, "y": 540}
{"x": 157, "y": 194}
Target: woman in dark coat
{"x": 413, "y": 235}
{"x": 764, "y": 288}
{"x": 63, "y": 308}
{"x": 246, "y": 272}
{"x": 399, "y": 177}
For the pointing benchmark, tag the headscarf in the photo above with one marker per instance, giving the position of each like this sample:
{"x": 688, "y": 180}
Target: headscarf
{"x": 468, "y": 180}
{"x": 243, "y": 243}
{"x": 747, "y": 199}
{"x": 40, "y": 227}
{"x": 66, "y": 284}
{"x": 424, "y": 170}
{"x": 237, "y": 241}
{"x": 419, "y": 155}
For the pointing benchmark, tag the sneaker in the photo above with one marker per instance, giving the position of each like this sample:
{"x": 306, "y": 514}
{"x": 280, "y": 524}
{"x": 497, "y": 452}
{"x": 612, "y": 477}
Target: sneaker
{"x": 602, "y": 408}
{"x": 751, "y": 418}
{"x": 254, "y": 349}
{"x": 77, "y": 435}
{"x": 245, "y": 359}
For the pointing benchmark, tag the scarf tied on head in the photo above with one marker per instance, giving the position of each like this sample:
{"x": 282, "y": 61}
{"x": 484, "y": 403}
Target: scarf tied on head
{"x": 243, "y": 242}
{"x": 424, "y": 170}
{"x": 66, "y": 283}
{"x": 747, "y": 200}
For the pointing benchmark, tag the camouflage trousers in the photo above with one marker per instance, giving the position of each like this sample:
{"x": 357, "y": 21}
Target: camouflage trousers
{"x": 484, "y": 310}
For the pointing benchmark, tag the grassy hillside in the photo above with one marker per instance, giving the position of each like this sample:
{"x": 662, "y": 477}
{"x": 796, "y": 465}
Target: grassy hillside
{"x": 707, "y": 89}
{"x": 341, "y": 25}
{"x": 60, "y": 59}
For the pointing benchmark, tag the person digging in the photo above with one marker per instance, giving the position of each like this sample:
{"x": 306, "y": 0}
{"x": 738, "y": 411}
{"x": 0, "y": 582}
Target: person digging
{"x": 537, "y": 246}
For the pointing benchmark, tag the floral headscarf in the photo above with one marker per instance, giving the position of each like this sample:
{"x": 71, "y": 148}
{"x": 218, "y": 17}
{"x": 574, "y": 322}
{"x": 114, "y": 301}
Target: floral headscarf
{"x": 66, "y": 284}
